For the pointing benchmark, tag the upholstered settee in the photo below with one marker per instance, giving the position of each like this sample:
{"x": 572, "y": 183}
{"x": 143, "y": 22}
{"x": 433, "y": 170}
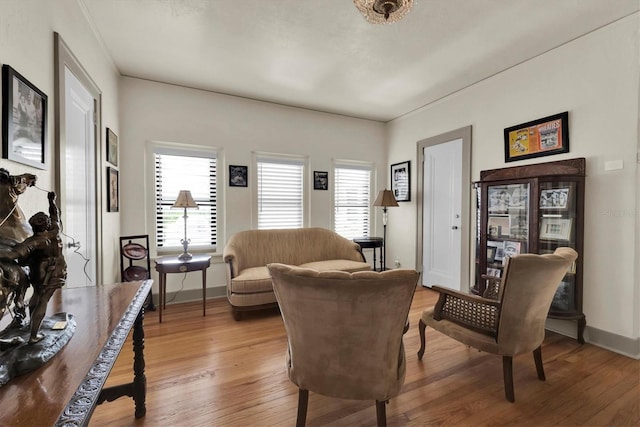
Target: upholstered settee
{"x": 247, "y": 254}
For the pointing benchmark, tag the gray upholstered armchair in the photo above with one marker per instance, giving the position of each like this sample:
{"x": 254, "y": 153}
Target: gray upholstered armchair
{"x": 512, "y": 321}
{"x": 344, "y": 332}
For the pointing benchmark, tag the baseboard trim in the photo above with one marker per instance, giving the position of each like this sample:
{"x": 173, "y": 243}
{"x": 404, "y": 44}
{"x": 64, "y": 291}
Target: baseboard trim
{"x": 626, "y": 346}
{"x": 189, "y": 295}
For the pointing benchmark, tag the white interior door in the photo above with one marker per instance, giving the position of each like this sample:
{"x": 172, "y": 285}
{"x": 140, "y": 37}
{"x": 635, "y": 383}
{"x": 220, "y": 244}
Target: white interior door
{"x": 442, "y": 215}
{"x": 79, "y": 183}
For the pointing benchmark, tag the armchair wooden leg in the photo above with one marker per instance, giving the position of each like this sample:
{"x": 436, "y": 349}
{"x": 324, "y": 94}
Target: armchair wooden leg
{"x": 303, "y": 400}
{"x": 381, "y": 413}
{"x": 537, "y": 357}
{"x": 421, "y": 327}
{"x": 507, "y": 372}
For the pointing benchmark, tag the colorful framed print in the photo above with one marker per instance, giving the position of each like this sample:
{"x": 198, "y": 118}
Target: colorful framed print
{"x": 542, "y": 137}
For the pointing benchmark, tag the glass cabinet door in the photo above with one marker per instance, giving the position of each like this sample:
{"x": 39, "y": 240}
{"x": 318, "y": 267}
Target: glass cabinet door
{"x": 507, "y": 226}
{"x": 557, "y": 210}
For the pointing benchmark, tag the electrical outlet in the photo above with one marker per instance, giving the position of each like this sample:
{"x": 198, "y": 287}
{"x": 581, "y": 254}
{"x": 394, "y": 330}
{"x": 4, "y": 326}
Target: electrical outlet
{"x": 397, "y": 263}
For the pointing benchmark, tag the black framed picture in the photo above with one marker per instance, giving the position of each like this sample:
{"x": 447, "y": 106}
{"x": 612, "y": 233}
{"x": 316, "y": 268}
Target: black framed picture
{"x": 24, "y": 120}
{"x": 401, "y": 181}
{"x": 113, "y": 190}
{"x": 320, "y": 180}
{"x": 542, "y": 137}
{"x": 112, "y": 147}
{"x": 238, "y": 176}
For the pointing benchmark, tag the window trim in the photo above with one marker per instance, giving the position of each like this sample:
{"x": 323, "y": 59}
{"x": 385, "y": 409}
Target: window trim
{"x": 181, "y": 149}
{"x": 279, "y": 158}
{"x": 354, "y": 164}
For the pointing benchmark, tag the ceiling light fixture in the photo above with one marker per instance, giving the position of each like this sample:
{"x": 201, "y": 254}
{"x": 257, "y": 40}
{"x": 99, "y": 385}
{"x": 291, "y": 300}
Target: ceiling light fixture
{"x": 383, "y": 11}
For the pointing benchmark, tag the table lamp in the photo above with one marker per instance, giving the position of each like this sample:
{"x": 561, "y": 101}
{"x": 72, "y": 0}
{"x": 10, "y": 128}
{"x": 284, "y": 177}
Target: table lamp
{"x": 385, "y": 199}
{"x": 185, "y": 200}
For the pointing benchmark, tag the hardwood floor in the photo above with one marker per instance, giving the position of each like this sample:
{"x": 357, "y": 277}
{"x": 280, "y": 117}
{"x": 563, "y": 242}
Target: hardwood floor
{"x": 214, "y": 371}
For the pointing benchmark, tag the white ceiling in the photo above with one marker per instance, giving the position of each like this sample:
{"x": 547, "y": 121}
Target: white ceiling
{"x": 323, "y": 55}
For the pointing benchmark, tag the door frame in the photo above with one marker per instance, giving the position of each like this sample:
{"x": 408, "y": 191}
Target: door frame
{"x": 65, "y": 58}
{"x": 463, "y": 133}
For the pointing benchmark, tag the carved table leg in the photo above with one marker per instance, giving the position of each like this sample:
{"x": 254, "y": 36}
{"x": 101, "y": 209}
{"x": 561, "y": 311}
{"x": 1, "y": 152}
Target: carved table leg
{"x": 139, "y": 379}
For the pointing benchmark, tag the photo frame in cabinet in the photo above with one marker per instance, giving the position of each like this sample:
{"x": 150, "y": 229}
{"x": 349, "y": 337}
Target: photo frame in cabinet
{"x": 556, "y": 228}
{"x": 555, "y": 199}
{"x": 563, "y": 298}
{"x": 499, "y": 225}
{"x": 541, "y": 137}
{"x": 499, "y": 250}
{"x": 494, "y": 272}
{"x": 401, "y": 182}
{"x": 491, "y": 253}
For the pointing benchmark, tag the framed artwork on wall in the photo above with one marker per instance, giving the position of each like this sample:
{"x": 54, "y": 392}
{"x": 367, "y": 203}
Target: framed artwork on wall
{"x": 401, "y": 181}
{"x": 320, "y": 180}
{"x": 542, "y": 137}
{"x": 112, "y": 147}
{"x": 24, "y": 120}
{"x": 238, "y": 176}
{"x": 113, "y": 204}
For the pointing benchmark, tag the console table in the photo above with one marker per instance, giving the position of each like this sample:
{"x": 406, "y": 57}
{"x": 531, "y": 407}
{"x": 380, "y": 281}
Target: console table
{"x": 66, "y": 390}
{"x": 172, "y": 264}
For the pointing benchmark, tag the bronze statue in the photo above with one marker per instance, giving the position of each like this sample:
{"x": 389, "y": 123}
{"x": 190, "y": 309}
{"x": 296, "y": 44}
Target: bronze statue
{"x": 13, "y": 224}
{"x": 42, "y": 253}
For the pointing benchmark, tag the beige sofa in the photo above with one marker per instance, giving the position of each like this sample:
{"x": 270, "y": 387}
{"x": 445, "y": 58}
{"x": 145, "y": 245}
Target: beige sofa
{"x": 247, "y": 254}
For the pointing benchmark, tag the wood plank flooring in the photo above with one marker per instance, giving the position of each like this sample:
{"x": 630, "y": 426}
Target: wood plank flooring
{"x": 214, "y": 371}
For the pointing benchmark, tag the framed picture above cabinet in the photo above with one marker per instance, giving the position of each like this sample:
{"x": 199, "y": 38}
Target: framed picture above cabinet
{"x": 533, "y": 209}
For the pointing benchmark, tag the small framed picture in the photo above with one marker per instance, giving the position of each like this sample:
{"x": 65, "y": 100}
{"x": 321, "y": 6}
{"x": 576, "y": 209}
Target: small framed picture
{"x": 556, "y": 228}
{"x": 401, "y": 181}
{"x": 24, "y": 120}
{"x": 320, "y": 180}
{"x": 112, "y": 147}
{"x": 555, "y": 199}
{"x": 113, "y": 204}
{"x": 238, "y": 176}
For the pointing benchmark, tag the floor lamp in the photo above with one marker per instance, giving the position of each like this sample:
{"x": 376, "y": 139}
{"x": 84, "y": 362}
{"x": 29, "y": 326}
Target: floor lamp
{"x": 185, "y": 200}
{"x": 385, "y": 199}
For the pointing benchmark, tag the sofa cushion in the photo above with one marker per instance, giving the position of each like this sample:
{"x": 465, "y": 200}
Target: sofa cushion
{"x": 337, "y": 264}
{"x": 251, "y": 280}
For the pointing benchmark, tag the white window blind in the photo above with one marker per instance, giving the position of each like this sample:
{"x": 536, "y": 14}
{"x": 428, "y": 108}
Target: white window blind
{"x": 280, "y": 193}
{"x": 198, "y": 175}
{"x": 352, "y": 190}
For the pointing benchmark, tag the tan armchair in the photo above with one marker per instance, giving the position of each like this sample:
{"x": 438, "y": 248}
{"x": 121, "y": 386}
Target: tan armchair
{"x": 344, "y": 332}
{"x": 511, "y": 323}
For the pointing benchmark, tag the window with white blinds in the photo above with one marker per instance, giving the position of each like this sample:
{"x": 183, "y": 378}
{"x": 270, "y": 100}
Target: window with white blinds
{"x": 352, "y": 190}
{"x": 280, "y": 193}
{"x": 196, "y": 173}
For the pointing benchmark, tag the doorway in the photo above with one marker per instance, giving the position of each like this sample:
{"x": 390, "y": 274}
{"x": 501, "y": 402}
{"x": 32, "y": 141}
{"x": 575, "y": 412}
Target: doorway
{"x": 77, "y": 165}
{"x": 443, "y": 202}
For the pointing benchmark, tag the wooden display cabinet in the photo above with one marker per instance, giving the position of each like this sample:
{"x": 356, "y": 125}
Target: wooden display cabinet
{"x": 533, "y": 209}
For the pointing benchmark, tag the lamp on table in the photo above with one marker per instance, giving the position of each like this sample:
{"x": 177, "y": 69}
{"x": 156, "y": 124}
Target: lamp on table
{"x": 185, "y": 200}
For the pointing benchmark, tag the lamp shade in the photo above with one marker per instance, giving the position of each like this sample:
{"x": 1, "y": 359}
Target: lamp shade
{"x": 385, "y": 198}
{"x": 185, "y": 200}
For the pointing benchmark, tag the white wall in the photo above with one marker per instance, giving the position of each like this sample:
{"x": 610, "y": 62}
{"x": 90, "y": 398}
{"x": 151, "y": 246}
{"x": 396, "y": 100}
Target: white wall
{"x": 596, "y": 79}
{"x": 26, "y": 44}
{"x": 151, "y": 111}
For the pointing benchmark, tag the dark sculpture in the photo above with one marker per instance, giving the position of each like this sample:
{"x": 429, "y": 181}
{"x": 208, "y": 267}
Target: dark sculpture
{"x": 41, "y": 253}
